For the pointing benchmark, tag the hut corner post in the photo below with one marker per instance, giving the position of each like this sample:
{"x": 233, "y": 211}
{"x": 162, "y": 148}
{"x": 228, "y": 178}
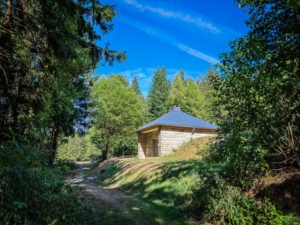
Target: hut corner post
{"x": 141, "y": 146}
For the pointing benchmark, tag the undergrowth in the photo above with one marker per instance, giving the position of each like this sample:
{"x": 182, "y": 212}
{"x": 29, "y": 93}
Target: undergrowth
{"x": 200, "y": 189}
{"x": 31, "y": 192}
{"x": 232, "y": 165}
{"x": 219, "y": 201}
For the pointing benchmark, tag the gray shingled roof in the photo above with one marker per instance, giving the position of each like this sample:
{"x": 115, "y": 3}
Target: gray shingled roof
{"x": 175, "y": 117}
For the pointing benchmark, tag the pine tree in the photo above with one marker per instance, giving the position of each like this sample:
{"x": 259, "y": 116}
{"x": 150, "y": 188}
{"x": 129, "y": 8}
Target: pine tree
{"x": 177, "y": 92}
{"x": 195, "y": 103}
{"x": 209, "y": 86}
{"x": 182, "y": 74}
{"x": 158, "y": 94}
{"x": 135, "y": 86}
{"x": 38, "y": 91}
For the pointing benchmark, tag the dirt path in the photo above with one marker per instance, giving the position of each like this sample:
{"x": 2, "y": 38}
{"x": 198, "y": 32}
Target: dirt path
{"x": 112, "y": 206}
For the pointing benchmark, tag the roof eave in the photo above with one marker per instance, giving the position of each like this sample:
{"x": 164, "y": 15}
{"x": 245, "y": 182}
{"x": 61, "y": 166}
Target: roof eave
{"x": 172, "y": 125}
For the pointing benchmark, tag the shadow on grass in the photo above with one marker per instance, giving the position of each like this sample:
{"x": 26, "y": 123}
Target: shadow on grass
{"x": 165, "y": 184}
{"x": 126, "y": 210}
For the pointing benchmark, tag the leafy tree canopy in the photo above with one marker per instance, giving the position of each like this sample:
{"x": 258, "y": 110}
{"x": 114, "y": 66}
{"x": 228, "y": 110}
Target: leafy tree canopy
{"x": 260, "y": 88}
{"x": 117, "y": 110}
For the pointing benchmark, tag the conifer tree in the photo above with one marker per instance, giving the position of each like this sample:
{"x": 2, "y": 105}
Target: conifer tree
{"x": 135, "y": 86}
{"x": 158, "y": 94}
{"x": 182, "y": 74}
{"x": 38, "y": 91}
{"x": 195, "y": 103}
{"x": 209, "y": 85}
{"x": 46, "y": 49}
{"x": 177, "y": 92}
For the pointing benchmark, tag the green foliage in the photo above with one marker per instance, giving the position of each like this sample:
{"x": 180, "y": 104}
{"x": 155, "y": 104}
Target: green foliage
{"x": 158, "y": 95}
{"x": 54, "y": 54}
{"x": 176, "y": 95}
{"x": 78, "y": 148}
{"x": 224, "y": 203}
{"x": 117, "y": 111}
{"x": 123, "y": 145}
{"x": 191, "y": 98}
{"x": 210, "y": 85}
{"x": 243, "y": 155}
{"x": 48, "y": 49}
{"x": 32, "y": 193}
{"x": 135, "y": 86}
{"x": 195, "y": 103}
{"x": 259, "y": 90}
{"x": 260, "y": 87}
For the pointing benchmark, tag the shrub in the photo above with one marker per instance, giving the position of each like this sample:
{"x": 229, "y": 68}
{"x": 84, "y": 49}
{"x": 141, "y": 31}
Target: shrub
{"x": 222, "y": 202}
{"x": 243, "y": 155}
{"x": 32, "y": 192}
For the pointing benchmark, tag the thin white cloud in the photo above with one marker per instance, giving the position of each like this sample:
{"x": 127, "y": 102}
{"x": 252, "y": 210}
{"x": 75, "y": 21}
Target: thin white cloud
{"x": 131, "y": 73}
{"x": 185, "y": 17}
{"x": 140, "y": 73}
{"x": 135, "y": 4}
{"x": 169, "y": 40}
{"x": 197, "y": 54}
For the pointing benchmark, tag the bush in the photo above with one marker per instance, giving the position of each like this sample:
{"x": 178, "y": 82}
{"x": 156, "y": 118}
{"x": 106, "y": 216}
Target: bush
{"x": 222, "y": 202}
{"x": 121, "y": 145}
{"x": 232, "y": 164}
{"x": 243, "y": 155}
{"x": 31, "y": 192}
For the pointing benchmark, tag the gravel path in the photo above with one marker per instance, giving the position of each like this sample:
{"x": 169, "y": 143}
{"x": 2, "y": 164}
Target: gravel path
{"x": 103, "y": 198}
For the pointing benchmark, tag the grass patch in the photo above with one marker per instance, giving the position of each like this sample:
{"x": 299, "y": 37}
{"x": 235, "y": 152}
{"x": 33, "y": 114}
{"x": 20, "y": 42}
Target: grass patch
{"x": 163, "y": 181}
{"x": 128, "y": 210}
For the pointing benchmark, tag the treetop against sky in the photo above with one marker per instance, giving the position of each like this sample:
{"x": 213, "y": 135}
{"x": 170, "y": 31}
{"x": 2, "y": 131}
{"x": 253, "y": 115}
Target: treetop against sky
{"x": 176, "y": 34}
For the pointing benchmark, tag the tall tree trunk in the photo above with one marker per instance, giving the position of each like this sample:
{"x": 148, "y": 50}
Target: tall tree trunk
{"x": 105, "y": 151}
{"x": 53, "y": 145}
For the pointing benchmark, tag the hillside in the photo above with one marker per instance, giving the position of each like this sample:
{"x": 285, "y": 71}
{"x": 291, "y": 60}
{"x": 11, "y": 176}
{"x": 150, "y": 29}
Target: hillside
{"x": 154, "y": 190}
{"x": 166, "y": 190}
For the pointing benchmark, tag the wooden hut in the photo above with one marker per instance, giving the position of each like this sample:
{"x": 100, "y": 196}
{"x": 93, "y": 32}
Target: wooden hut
{"x": 170, "y": 131}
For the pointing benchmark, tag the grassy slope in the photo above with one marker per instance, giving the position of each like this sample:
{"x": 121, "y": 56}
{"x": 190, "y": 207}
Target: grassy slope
{"x": 160, "y": 190}
{"x": 165, "y": 181}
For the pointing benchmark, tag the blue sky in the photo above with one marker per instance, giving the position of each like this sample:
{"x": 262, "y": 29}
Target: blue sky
{"x": 188, "y": 35}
